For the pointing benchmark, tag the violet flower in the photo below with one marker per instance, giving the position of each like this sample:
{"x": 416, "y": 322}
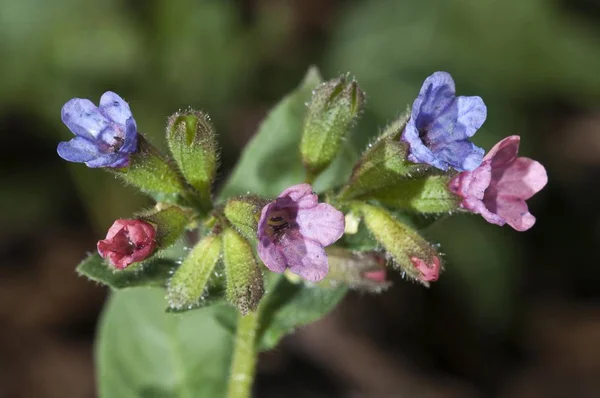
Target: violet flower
{"x": 499, "y": 187}
{"x": 105, "y": 136}
{"x": 441, "y": 124}
{"x": 127, "y": 242}
{"x": 293, "y": 231}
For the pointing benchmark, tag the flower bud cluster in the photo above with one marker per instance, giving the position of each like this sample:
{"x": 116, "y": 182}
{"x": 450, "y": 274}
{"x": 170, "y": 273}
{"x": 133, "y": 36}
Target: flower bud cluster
{"x": 422, "y": 163}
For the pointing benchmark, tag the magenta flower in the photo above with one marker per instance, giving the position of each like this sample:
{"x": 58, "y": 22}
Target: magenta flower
{"x": 127, "y": 242}
{"x": 293, "y": 231}
{"x": 499, "y": 187}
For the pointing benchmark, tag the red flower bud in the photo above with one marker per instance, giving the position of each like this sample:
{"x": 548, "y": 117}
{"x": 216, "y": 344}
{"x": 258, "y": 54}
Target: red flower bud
{"x": 127, "y": 242}
{"x": 429, "y": 271}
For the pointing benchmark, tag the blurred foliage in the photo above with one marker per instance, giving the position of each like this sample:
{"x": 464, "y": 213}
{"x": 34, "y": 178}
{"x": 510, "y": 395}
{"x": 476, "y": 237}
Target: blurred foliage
{"x": 508, "y": 52}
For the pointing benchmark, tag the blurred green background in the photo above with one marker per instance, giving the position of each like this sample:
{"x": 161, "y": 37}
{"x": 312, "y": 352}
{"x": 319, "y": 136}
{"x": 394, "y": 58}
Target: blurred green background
{"x": 515, "y": 314}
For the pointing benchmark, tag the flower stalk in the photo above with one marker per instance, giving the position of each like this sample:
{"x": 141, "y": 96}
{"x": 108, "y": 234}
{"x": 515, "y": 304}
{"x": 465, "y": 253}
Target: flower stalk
{"x": 243, "y": 366}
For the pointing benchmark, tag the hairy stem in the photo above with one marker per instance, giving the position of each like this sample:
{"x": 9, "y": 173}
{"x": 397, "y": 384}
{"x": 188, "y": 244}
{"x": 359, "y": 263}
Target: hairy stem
{"x": 310, "y": 177}
{"x": 244, "y": 357}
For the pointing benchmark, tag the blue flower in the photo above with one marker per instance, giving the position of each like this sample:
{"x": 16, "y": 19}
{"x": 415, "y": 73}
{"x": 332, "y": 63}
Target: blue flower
{"x": 105, "y": 135}
{"x": 441, "y": 123}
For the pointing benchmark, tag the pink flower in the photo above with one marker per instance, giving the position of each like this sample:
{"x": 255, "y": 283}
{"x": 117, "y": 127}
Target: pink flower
{"x": 293, "y": 231}
{"x": 499, "y": 187}
{"x": 127, "y": 242}
{"x": 429, "y": 272}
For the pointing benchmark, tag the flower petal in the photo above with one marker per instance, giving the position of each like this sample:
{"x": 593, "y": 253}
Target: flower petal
{"x": 114, "y": 160}
{"x": 115, "y": 108}
{"x": 515, "y": 212}
{"x": 78, "y": 149}
{"x": 117, "y": 227}
{"x": 504, "y": 152}
{"x": 322, "y": 223}
{"x": 302, "y": 195}
{"x": 131, "y": 137}
{"x": 436, "y": 95}
{"x": 305, "y": 257}
{"x": 127, "y": 242}
{"x": 472, "y": 113}
{"x": 270, "y": 254}
{"x": 419, "y": 153}
{"x": 489, "y": 215}
{"x": 461, "y": 155}
{"x": 522, "y": 179}
{"x": 471, "y": 185}
{"x": 83, "y": 118}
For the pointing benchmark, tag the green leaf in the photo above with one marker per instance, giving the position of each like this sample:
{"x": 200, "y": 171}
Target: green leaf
{"x": 289, "y": 305}
{"x": 151, "y": 273}
{"x": 271, "y": 161}
{"x": 142, "y": 351}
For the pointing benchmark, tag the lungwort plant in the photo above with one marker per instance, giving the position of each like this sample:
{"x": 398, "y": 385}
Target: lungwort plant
{"x": 204, "y": 281}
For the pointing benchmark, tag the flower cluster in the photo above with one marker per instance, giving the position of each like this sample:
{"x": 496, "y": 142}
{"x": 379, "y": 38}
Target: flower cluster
{"x": 423, "y": 163}
{"x": 496, "y": 186}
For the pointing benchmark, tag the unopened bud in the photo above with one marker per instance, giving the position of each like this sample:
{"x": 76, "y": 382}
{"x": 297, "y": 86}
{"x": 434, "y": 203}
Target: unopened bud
{"x": 382, "y": 163}
{"x": 411, "y": 253}
{"x": 188, "y": 284}
{"x": 427, "y": 194}
{"x": 131, "y": 241}
{"x": 244, "y": 278}
{"x": 334, "y": 107}
{"x": 359, "y": 270}
{"x": 192, "y": 142}
{"x": 243, "y": 212}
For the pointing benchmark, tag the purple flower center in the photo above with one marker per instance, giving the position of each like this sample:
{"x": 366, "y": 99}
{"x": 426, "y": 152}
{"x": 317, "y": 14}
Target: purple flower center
{"x": 281, "y": 222}
{"x": 423, "y": 135}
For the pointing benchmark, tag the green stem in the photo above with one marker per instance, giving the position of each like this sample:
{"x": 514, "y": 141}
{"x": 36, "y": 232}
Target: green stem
{"x": 310, "y": 177}
{"x": 193, "y": 199}
{"x": 244, "y": 357}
